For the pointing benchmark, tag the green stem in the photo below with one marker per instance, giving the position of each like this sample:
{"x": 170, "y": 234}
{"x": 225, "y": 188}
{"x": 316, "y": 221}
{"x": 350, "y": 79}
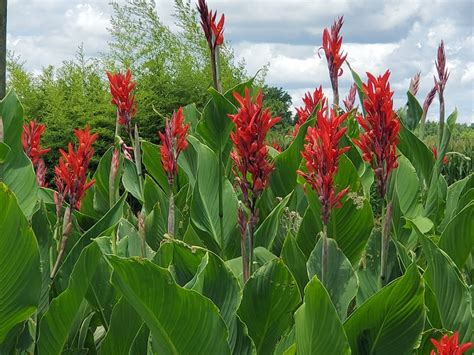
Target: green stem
{"x": 135, "y": 139}
{"x": 422, "y": 125}
{"x": 441, "y": 119}
{"x": 67, "y": 227}
{"x": 171, "y": 213}
{"x": 221, "y": 201}
{"x": 324, "y": 254}
{"x": 386, "y": 223}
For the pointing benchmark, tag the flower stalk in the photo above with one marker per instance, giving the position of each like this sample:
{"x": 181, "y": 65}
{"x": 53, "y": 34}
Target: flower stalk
{"x": 441, "y": 81}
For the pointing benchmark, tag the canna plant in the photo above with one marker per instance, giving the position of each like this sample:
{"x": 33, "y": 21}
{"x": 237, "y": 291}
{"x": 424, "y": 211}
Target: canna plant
{"x": 214, "y": 243}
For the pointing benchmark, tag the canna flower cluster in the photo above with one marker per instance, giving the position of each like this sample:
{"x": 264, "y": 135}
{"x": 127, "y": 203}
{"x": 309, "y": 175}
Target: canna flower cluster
{"x": 322, "y": 153}
{"x": 250, "y": 153}
{"x": 381, "y": 126}
{"x": 71, "y": 172}
{"x": 350, "y": 99}
{"x": 31, "y": 141}
{"x": 415, "y": 84}
{"x": 332, "y": 43}
{"x": 443, "y": 73}
{"x": 429, "y": 99}
{"x": 449, "y": 345}
{"x": 121, "y": 87}
{"x": 173, "y": 143}
{"x": 310, "y": 102}
{"x": 213, "y": 31}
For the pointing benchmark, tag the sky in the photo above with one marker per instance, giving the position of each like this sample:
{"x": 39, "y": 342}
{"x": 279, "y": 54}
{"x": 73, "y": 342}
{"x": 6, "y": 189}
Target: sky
{"x": 402, "y": 36}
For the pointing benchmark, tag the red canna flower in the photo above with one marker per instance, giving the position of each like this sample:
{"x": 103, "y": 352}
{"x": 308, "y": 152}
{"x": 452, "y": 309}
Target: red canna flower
{"x": 449, "y": 345}
{"x": 415, "y": 84}
{"x": 381, "y": 126}
{"x": 213, "y": 31}
{"x": 310, "y": 102}
{"x": 350, "y": 99}
{"x": 443, "y": 73}
{"x": 429, "y": 98}
{"x": 332, "y": 49}
{"x": 41, "y": 173}
{"x": 435, "y": 154}
{"x": 250, "y": 153}
{"x": 71, "y": 172}
{"x": 121, "y": 88}
{"x": 173, "y": 142}
{"x": 31, "y": 140}
{"x": 322, "y": 153}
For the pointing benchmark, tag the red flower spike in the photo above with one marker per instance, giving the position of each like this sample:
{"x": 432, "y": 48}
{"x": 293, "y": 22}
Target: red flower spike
{"x": 173, "y": 142}
{"x": 443, "y": 73}
{"x": 332, "y": 43}
{"x": 350, "y": 99}
{"x": 322, "y": 153}
{"x": 449, "y": 345}
{"x": 41, "y": 173}
{"x": 381, "y": 126}
{"x": 250, "y": 155}
{"x": 429, "y": 98}
{"x": 71, "y": 172}
{"x": 415, "y": 84}
{"x": 310, "y": 102}
{"x": 121, "y": 88}
{"x": 213, "y": 31}
{"x": 31, "y": 140}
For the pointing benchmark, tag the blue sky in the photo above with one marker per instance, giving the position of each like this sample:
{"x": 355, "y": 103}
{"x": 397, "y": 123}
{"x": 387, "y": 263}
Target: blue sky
{"x": 398, "y": 35}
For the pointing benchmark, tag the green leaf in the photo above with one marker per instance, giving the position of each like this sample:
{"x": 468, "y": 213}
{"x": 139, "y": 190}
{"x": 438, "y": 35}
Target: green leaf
{"x": 215, "y": 126}
{"x": 391, "y": 321}
{"x": 358, "y": 82}
{"x": 455, "y": 191}
{"x": 453, "y": 298}
{"x": 417, "y": 153}
{"x": 270, "y": 296}
{"x": 457, "y": 239}
{"x": 152, "y": 162}
{"x": 20, "y": 276}
{"x": 4, "y": 151}
{"x": 341, "y": 281}
{"x": 267, "y": 231}
{"x": 58, "y": 321}
{"x": 317, "y": 325}
{"x": 261, "y": 257}
{"x": 283, "y": 178}
{"x": 17, "y": 171}
{"x": 181, "y": 321}
{"x": 101, "y": 185}
{"x": 205, "y": 207}
{"x": 408, "y": 187}
{"x": 130, "y": 180}
{"x": 295, "y": 260}
{"x": 191, "y": 116}
{"x": 125, "y": 324}
{"x": 414, "y": 112}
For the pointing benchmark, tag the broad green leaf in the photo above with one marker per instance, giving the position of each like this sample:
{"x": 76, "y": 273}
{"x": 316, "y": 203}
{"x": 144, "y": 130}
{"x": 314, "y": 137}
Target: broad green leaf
{"x": 295, "y": 260}
{"x": 152, "y": 162}
{"x": 58, "y": 321}
{"x": 391, "y": 321}
{"x": 181, "y": 321}
{"x": 453, "y": 298}
{"x": 125, "y": 324}
{"x": 407, "y": 187}
{"x": 205, "y": 207}
{"x": 317, "y": 325}
{"x": 341, "y": 281}
{"x": 455, "y": 191}
{"x": 457, "y": 239}
{"x": 286, "y": 342}
{"x": 414, "y": 112}
{"x": 17, "y": 171}
{"x": 261, "y": 256}
{"x": 215, "y": 280}
{"x": 267, "y": 231}
{"x": 130, "y": 180}
{"x": 269, "y": 298}
{"x": 283, "y": 178}
{"x": 240, "y": 88}
{"x": 20, "y": 275}
{"x": 101, "y": 185}
{"x": 360, "y": 90}
{"x": 215, "y": 126}
{"x": 419, "y": 155}
{"x": 4, "y": 151}
{"x": 191, "y": 116}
